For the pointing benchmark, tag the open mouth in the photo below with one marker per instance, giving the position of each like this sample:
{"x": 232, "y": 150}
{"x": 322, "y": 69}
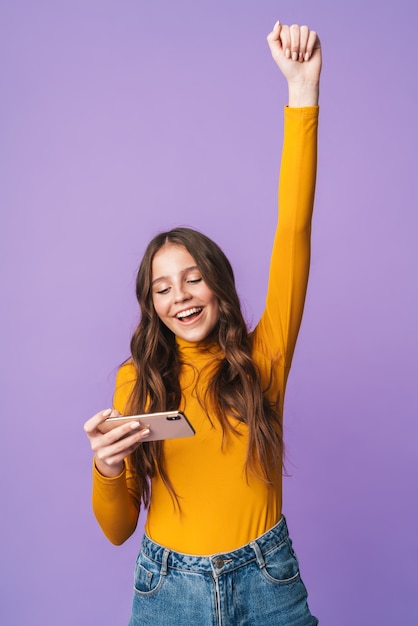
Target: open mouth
{"x": 189, "y": 314}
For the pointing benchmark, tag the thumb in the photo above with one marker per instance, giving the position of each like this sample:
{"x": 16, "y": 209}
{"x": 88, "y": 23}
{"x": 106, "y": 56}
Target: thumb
{"x": 273, "y": 38}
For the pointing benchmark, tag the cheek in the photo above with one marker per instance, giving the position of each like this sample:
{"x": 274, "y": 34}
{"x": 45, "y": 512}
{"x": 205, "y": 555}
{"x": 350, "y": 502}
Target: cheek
{"x": 216, "y": 310}
{"x": 157, "y": 307}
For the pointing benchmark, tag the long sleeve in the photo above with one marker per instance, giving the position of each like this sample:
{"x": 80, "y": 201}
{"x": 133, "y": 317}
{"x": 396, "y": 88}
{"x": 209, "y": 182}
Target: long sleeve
{"x": 276, "y": 334}
{"x": 116, "y": 501}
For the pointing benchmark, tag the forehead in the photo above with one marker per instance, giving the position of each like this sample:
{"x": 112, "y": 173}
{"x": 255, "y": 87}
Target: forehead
{"x": 171, "y": 259}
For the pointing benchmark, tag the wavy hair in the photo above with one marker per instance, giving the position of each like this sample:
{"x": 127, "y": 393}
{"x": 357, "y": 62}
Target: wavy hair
{"x": 235, "y": 387}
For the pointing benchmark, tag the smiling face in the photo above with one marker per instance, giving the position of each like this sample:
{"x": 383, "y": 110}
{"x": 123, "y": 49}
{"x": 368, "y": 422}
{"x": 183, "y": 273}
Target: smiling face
{"x": 181, "y": 298}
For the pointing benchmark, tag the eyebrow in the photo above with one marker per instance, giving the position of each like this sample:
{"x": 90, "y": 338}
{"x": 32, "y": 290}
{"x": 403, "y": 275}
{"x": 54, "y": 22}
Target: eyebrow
{"x": 186, "y": 269}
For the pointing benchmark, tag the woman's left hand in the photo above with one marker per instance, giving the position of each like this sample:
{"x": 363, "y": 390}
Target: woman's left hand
{"x": 297, "y": 52}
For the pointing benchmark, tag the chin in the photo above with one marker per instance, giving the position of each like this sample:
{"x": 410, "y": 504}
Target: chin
{"x": 196, "y": 335}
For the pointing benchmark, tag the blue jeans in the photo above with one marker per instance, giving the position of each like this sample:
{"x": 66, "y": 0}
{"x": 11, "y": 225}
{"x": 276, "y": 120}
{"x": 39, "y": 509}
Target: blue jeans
{"x": 256, "y": 585}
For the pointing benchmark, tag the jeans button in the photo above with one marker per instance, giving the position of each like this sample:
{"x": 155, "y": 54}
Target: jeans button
{"x": 219, "y": 562}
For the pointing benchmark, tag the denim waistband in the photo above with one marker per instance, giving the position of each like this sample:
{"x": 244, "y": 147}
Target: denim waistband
{"x": 221, "y": 562}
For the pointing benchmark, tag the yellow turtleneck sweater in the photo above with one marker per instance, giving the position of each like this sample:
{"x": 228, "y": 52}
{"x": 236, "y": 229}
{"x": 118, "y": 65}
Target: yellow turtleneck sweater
{"x": 220, "y": 508}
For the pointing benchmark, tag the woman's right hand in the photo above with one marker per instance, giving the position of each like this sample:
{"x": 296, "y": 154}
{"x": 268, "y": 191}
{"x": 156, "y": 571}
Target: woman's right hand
{"x": 110, "y": 449}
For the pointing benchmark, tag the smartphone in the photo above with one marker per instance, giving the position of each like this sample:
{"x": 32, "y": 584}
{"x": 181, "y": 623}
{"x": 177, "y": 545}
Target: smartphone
{"x": 164, "y": 425}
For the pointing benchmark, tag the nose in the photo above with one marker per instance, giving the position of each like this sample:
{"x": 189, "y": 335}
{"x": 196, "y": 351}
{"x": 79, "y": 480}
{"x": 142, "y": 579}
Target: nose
{"x": 181, "y": 294}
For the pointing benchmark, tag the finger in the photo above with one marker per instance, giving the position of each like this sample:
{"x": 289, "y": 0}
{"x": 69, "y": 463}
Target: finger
{"x": 285, "y": 40}
{"x": 122, "y": 431}
{"x": 120, "y": 448}
{"x": 294, "y": 41}
{"x": 273, "y": 39}
{"x": 304, "y": 35}
{"x": 91, "y": 425}
{"x": 275, "y": 33}
{"x": 312, "y": 43}
{"x": 111, "y": 461}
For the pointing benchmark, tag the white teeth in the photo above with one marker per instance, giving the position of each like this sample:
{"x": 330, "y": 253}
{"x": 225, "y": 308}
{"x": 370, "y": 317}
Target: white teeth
{"x": 188, "y": 312}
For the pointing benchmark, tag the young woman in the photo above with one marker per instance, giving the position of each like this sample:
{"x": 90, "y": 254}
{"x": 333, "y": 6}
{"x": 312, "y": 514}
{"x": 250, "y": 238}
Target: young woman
{"x": 216, "y": 549}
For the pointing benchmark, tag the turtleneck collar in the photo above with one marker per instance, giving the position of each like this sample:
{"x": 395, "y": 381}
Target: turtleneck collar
{"x": 202, "y": 350}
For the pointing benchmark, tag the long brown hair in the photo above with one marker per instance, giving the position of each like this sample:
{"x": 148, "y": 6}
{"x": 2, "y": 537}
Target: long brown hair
{"x": 235, "y": 387}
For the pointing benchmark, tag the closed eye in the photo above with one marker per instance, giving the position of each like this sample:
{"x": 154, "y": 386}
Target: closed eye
{"x": 194, "y": 281}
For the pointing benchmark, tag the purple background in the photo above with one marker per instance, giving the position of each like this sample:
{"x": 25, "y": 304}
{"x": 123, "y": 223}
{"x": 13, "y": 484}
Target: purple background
{"x": 121, "y": 118}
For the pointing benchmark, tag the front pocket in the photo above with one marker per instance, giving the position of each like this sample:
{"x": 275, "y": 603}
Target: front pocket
{"x": 281, "y": 565}
{"x": 148, "y": 577}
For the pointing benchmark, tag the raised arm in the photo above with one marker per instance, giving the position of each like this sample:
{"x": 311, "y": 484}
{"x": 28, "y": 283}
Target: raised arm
{"x": 297, "y": 52}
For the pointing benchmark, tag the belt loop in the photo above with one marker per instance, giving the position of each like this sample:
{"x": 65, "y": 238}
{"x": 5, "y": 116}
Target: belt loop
{"x": 260, "y": 559}
{"x": 166, "y": 554}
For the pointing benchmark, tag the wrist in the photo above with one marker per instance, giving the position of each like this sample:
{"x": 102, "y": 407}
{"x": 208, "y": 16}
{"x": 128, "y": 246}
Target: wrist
{"x": 303, "y": 94}
{"x": 108, "y": 471}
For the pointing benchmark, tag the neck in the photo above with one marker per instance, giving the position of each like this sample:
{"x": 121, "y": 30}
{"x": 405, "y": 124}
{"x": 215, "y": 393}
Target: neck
{"x": 203, "y": 349}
